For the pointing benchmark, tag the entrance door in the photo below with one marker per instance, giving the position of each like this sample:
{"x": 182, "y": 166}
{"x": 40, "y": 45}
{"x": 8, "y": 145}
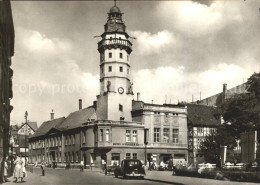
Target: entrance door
{"x": 53, "y": 156}
{"x": 85, "y": 159}
{"x": 115, "y": 159}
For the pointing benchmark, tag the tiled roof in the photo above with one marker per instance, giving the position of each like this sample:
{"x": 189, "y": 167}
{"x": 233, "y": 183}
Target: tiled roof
{"x": 47, "y": 126}
{"x": 201, "y": 115}
{"x": 33, "y": 125}
{"x": 76, "y": 119}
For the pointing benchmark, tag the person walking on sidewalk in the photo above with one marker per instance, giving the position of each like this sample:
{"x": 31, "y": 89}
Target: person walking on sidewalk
{"x": 24, "y": 173}
{"x": 18, "y": 173}
{"x": 5, "y": 169}
{"x": 43, "y": 168}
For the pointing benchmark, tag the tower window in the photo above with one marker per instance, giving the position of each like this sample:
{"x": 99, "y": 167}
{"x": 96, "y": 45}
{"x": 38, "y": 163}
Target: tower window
{"x": 110, "y": 55}
{"x": 110, "y": 68}
{"x": 102, "y": 70}
{"x": 121, "y": 69}
{"x": 127, "y": 57}
{"x": 107, "y": 135}
{"x": 120, "y": 107}
{"x": 127, "y": 71}
{"x": 121, "y": 55}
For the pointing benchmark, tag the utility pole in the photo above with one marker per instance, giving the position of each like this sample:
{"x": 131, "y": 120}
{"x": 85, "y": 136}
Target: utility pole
{"x": 25, "y": 133}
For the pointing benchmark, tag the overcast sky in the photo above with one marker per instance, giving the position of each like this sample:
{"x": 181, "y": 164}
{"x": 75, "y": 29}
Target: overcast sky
{"x": 182, "y": 48}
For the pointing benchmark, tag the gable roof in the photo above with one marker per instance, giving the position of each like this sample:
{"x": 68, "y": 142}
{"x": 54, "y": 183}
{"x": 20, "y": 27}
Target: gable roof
{"x": 47, "y": 126}
{"x": 76, "y": 119}
{"x": 31, "y": 124}
{"x": 202, "y": 115}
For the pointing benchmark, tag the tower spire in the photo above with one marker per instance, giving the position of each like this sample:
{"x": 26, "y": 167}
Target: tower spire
{"x": 115, "y": 2}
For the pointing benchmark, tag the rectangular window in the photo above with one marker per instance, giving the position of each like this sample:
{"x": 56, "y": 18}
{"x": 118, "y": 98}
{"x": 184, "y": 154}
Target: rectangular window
{"x": 156, "y": 134}
{"x": 121, "y": 55}
{"x": 110, "y": 55}
{"x": 199, "y": 143}
{"x": 175, "y": 135}
{"x": 84, "y": 137}
{"x": 200, "y": 131}
{"x": 102, "y": 69}
{"x": 127, "y": 57}
{"x": 128, "y": 156}
{"x": 69, "y": 142}
{"x": 128, "y": 71}
{"x": 128, "y": 136}
{"x": 107, "y": 135}
{"x": 101, "y": 135}
{"x": 121, "y": 69}
{"x": 57, "y": 141}
{"x": 73, "y": 139}
{"x": 134, "y": 155}
{"x": 166, "y": 135}
{"x": 120, "y": 107}
{"x": 134, "y": 135}
{"x": 60, "y": 141}
{"x": 109, "y": 68}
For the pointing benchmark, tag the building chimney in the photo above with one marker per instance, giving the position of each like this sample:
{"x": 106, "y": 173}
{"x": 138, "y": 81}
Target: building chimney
{"x": 224, "y": 93}
{"x": 52, "y": 114}
{"x": 80, "y": 104}
{"x": 138, "y": 96}
{"x": 95, "y": 105}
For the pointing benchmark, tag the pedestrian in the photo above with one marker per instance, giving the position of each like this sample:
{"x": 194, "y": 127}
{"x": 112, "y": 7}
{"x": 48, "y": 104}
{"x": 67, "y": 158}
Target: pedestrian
{"x": 18, "y": 174}
{"x": 170, "y": 165}
{"x": 81, "y": 166}
{"x": 153, "y": 166}
{"x": 5, "y": 169}
{"x": 43, "y": 168}
{"x": 24, "y": 173}
{"x": 105, "y": 167}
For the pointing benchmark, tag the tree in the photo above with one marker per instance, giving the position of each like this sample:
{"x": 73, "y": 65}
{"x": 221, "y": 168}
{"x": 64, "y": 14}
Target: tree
{"x": 210, "y": 147}
{"x": 242, "y": 112}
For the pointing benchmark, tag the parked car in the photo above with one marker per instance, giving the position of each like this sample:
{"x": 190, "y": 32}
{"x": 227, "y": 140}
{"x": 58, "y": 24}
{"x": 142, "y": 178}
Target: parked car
{"x": 130, "y": 168}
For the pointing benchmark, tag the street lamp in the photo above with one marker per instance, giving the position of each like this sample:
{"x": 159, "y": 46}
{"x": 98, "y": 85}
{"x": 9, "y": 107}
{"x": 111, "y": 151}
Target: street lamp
{"x": 145, "y": 144}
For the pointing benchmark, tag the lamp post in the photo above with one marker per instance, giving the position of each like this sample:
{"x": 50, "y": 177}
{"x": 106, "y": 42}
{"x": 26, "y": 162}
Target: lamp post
{"x": 25, "y": 133}
{"x": 145, "y": 144}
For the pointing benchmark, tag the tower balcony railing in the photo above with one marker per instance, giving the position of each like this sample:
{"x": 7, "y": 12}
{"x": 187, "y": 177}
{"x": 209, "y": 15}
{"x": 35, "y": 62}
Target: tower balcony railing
{"x": 111, "y": 122}
{"x": 115, "y": 41}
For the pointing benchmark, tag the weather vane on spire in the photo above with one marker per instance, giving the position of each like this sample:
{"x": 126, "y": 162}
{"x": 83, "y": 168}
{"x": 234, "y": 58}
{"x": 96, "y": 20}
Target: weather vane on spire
{"x": 115, "y": 2}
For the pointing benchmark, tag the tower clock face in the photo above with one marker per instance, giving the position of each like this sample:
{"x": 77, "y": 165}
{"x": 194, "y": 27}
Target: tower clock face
{"x": 121, "y": 90}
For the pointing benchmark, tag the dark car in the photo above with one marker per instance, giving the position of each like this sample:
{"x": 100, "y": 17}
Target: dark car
{"x": 130, "y": 168}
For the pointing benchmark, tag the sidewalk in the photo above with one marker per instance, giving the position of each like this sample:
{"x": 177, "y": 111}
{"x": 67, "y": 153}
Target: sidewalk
{"x": 36, "y": 178}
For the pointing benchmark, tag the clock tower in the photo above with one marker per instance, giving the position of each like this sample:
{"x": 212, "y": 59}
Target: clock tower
{"x": 115, "y": 99}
